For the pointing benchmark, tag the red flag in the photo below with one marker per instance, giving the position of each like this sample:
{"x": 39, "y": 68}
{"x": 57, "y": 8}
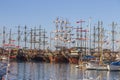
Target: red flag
{"x": 12, "y": 40}
{"x": 80, "y": 21}
{"x": 5, "y": 44}
{"x": 17, "y": 46}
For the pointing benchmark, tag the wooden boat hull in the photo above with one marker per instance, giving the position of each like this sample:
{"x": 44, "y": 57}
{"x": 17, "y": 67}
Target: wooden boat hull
{"x": 37, "y": 58}
{"x": 58, "y": 59}
{"x": 13, "y": 57}
{"x": 46, "y": 59}
{"x": 73, "y": 60}
{"x": 21, "y": 58}
{"x": 52, "y": 59}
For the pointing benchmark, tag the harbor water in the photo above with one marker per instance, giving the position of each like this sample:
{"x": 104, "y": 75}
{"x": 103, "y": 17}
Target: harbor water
{"x": 55, "y": 71}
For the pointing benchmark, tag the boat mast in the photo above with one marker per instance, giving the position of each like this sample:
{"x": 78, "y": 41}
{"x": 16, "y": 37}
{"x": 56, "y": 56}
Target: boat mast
{"x": 18, "y": 36}
{"x": 25, "y": 36}
{"x": 113, "y": 35}
{"x": 94, "y": 35}
{"x": 3, "y": 36}
{"x": 77, "y": 36}
{"x": 34, "y": 37}
{"x": 44, "y": 42}
{"x": 90, "y": 35}
{"x": 31, "y": 37}
{"x": 61, "y": 32}
{"x": 85, "y": 42}
{"x": 10, "y": 38}
{"x": 81, "y": 21}
{"x": 66, "y": 32}
{"x": 101, "y": 42}
{"x": 8, "y": 55}
{"x": 98, "y": 37}
{"x": 39, "y": 37}
{"x": 56, "y": 33}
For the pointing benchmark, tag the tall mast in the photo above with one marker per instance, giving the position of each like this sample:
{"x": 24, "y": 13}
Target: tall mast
{"x": 98, "y": 36}
{"x": 18, "y": 36}
{"x": 56, "y": 33}
{"x": 39, "y": 37}
{"x": 34, "y": 37}
{"x": 8, "y": 55}
{"x": 50, "y": 39}
{"x": 85, "y": 42}
{"x": 61, "y": 32}
{"x": 90, "y": 35}
{"x": 113, "y": 35}
{"x": 31, "y": 37}
{"x": 101, "y": 42}
{"x": 25, "y": 33}
{"x": 66, "y": 33}
{"x": 44, "y": 39}
{"x": 94, "y": 35}
{"x": 81, "y": 21}
{"x": 10, "y": 38}
{"x": 3, "y": 36}
{"x": 77, "y": 37}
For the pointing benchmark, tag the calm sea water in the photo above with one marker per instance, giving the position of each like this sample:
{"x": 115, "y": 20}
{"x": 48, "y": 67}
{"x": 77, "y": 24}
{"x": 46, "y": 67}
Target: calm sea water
{"x": 51, "y": 71}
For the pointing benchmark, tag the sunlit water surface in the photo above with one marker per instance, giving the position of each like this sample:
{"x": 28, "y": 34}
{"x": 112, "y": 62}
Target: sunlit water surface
{"x": 52, "y": 71}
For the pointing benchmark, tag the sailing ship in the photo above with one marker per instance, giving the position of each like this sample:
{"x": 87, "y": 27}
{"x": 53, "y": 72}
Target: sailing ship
{"x": 99, "y": 64}
{"x": 60, "y": 40}
{"x": 115, "y": 64}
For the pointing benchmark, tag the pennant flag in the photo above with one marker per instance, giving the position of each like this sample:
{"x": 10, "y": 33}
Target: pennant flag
{"x": 17, "y": 46}
{"x": 80, "y": 21}
{"x": 12, "y": 40}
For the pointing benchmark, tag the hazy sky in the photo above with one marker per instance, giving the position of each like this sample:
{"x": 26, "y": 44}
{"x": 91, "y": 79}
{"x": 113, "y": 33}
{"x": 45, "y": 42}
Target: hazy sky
{"x": 43, "y": 12}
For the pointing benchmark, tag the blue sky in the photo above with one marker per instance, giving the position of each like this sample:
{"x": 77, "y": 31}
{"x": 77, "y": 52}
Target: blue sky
{"x": 43, "y": 12}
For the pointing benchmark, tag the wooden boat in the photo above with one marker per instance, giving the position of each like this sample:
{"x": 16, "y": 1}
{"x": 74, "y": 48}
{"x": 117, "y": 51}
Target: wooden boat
{"x": 61, "y": 59}
{"x": 73, "y": 59}
{"x": 38, "y": 58}
{"x": 99, "y": 64}
{"x": 21, "y": 56}
{"x": 57, "y": 57}
{"x": 13, "y": 54}
{"x": 73, "y": 56}
{"x": 51, "y": 58}
{"x": 45, "y": 56}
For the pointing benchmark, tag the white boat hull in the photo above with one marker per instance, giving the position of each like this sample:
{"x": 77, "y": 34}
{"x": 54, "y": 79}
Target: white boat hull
{"x": 113, "y": 68}
{"x": 96, "y": 67}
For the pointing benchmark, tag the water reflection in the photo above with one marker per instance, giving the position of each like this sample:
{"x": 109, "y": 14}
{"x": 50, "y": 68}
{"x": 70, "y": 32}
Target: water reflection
{"x": 48, "y": 71}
